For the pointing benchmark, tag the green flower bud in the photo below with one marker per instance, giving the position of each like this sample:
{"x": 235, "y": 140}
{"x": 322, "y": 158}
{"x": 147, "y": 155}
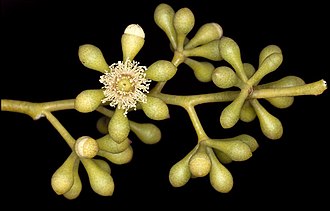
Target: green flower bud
{"x": 270, "y": 125}
{"x": 234, "y": 148}
{"x": 220, "y": 178}
{"x": 164, "y": 16}
{"x": 231, "y": 114}
{"x": 247, "y": 112}
{"x": 155, "y": 108}
{"x": 200, "y": 163}
{"x": 132, "y": 41}
{"x": 222, "y": 157}
{"x": 280, "y": 102}
{"x": 208, "y": 51}
{"x": 103, "y": 165}
{"x": 202, "y": 70}
{"x": 120, "y": 157}
{"x": 91, "y": 57}
{"x": 268, "y": 50}
{"x": 88, "y": 100}
{"x": 248, "y": 69}
{"x": 205, "y": 34}
{"x": 224, "y": 77}
{"x": 161, "y": 70}
{"x": 270, "y": 64}
{"x": 86, "y": 147}
{"x": 76, "y": 188}
{"x": 100, "y": 180}
{"x": 230, "y": 52}
{"x": 287, "y": 81}
{"x": 63, "y": 178}
{"x": 148, "y": 133}
{"x": 106, "y": 143}
{"x": 102, "y": 124}
{"x": 184, "y": 22}
{"x": 249, "y": 140}
{"x": 180, "y": 173}
{"x": 119, "y": 126}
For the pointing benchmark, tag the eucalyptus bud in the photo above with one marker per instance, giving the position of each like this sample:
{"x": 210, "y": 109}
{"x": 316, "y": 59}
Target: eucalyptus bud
{"x": 208, "y": 51}
{"x": 155, "y": 108}
{"x": 220, "y": 178}
{"x": 234, "y": 148}
{"x": 280, "y": 102}
{"x": 249, "y": 140}
{"x": 164, "y": 16}
{"x": 86, "y": 147}
{"x": 180, "y": 173}
{"x": 248, "y": 69}
{"x": 120, "y": 157}
{"x": 224, "y": 77}
{"x": 132, "y": 41}
{"x": 268, "y": 50}
{"x": 91, "y": 57}
{"x": 184, "y": 22}
{"x": 148, "y": 133}
{"x": 103, "y": 165}
{"x": 88, "y": 100}
{"x": 76, "y": 188}
{"x": 119, "y": 126}
{"x": 63, "y": 178}
{"x": 161, "y": 70}
{"x": 200, "y": 163}
{"x": 270, "y": 125}
{"x": 247, "y": 112}
{"x": 205, "y": 34}
{"x": 202, "y": 70}
{"x": 102, "y": 124}
{"x": 230, "y": 52}
{"x": 222, "y": 157}
{"x": 100, "y": 180}
{"x": 106, "y": 143}
{"x": 287, "y": 81}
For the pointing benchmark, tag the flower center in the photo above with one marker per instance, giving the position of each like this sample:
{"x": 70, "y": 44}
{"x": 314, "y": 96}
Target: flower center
{"x": 124, "y": 84}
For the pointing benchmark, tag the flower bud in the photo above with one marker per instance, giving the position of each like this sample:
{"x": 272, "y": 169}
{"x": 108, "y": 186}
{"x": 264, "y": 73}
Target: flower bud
{"x": 224, "y": 77}
{"x": 205, "y": 34}
{"x": 88, "y": 100}
{"x": 155, "y": 108}
{"x": 132, "y": 41}
{"x": 180, "y": 173}
{"x": 208, "y": 51}
{"x": 103, "y": 165}
{"x": 222, "y": 157}
{"x": 164, "y": 16}
{"x": 102, "y": 124}
{"x": 270, "y": 64}
{"x": 230, "y": 52}
{"x": 63, "y": 178}
{"x": 249, "y": 140}
{"x": 280, "y": 102}
{"x": 231, "y": 114}
{"x": 161, "y": 70}
{"x": 120, "y": 157}
{"x": 76, "y": 188}
{"x": 148, "y": 133}
{"x": 184, "y": 22}
{"x": 247, "y": 112}
{"x": 220, "y": 178}
{"x": 234, "y": 148}
{"x": 119, "y": 126}
{"x": 86, "y": 147}
{"x": 287, "y": 81}
{"x": 91, "y": 57}
{"x": 100, "y": 180}
{"x": 106, "y": 143}
{"x": 268, "y": 50}
{"x": 200, "y": 163}
{"x": 248, "y": 69}
{"x": 202, "y": 70}
{"x": 270, "y": 125}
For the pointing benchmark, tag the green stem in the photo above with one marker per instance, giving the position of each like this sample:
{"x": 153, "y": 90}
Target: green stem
{"x": 59, "y": 127}
{"x": 201, "y": 135}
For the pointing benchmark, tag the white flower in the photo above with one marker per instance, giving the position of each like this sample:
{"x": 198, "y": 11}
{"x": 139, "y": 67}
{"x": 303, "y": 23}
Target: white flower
{"x": 125, "y": 85}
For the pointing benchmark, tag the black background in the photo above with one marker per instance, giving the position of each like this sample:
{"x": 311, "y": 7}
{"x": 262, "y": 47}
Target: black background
{"x": 39, "y": 63}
